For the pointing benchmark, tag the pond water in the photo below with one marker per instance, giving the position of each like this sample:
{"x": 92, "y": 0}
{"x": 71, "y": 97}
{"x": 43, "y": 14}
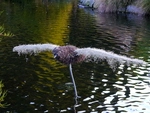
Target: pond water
{"x": 40, "y": 84}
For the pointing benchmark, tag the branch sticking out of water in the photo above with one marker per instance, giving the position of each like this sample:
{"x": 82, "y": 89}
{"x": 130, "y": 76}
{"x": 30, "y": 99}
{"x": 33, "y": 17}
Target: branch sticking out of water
{"x": 73, "y": 54}
{"x": 33, "y": 48}
{"x": 110, "y": 57}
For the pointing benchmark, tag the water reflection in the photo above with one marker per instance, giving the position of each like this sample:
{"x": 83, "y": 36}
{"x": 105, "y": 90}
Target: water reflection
{"x": 43, "y": 85}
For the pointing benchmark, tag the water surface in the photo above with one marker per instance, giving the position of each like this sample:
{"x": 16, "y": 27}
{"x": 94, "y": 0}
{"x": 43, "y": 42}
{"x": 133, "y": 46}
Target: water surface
{"x": 41, "y": 84}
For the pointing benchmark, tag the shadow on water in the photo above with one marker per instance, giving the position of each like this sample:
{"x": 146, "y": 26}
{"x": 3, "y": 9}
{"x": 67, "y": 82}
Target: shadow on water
{"x": 41, "y": 84}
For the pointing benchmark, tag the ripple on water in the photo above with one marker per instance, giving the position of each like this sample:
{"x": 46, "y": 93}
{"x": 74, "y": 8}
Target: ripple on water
{"x": 132, "y": 97}
{"x": 125, "y": 91}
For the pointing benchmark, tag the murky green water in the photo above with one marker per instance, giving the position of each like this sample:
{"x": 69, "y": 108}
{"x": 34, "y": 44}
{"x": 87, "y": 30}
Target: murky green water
{"x": 39, "y": 84}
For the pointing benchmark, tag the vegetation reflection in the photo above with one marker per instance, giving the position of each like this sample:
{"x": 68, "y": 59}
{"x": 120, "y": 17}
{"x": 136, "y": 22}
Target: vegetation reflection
{"x": 40, "y": 76}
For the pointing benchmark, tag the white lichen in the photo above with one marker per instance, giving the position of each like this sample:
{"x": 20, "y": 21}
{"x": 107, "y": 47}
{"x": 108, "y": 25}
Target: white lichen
{"x": 93, "y": 54}
{"x": 33, "y": 48}
{"x": 110, "y": 57}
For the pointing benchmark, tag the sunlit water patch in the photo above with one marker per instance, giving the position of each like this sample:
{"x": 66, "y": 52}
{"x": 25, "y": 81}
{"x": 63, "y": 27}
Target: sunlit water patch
{"x": 131, "y": 95}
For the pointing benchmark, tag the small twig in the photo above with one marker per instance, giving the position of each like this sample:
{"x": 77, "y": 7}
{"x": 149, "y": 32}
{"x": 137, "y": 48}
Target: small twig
{"x": 74, "y": 84}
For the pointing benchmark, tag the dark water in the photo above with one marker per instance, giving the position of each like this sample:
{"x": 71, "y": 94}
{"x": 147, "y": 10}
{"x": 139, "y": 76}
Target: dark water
{"x": 39, "y": 84}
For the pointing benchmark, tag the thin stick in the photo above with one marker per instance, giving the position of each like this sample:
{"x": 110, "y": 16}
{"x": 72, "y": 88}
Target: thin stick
{"x": 74, "y": 84}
